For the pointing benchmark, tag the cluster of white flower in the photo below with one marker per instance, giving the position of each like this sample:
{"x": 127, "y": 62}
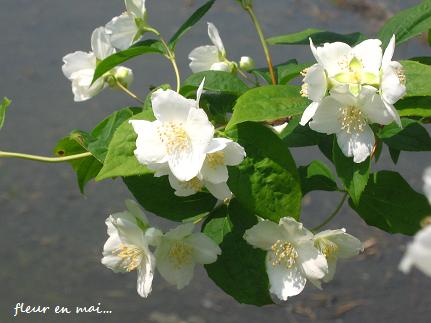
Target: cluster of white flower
{"x": 418, "y": 253}
{"x": 119, "y": 33}
{"x": 180, "y": 143}
{"x": 294, "y": 254}
{"x": 350, "y": 89}
{"x": 213, "y": 57}
{"x": 176, "y": 252}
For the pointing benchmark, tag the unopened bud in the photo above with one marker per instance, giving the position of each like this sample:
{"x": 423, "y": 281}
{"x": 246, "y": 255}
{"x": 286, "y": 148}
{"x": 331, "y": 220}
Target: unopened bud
{"x": 123, "y": 75}
{"x": 246, "y": 63}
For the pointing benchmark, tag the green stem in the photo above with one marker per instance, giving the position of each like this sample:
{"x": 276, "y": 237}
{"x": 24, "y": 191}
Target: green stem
{"x": 128, "y": 92}
{"x": 249, "y": 9}
{"x": 4, "y": 154}
{"x": 171, "y": 56}
{"x": 332, "y": 215}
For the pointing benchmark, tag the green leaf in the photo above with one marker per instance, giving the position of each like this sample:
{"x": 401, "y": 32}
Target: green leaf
{"x": 156, "y": 195}
{"x": 395, "y": 154}
{"x": 194, "y": 18}
{"x": 267, "y": 181}
{"x": 97, "y": 142}
{"x": 417, "y": 76}
{"x": 268, "y": 103}
{"x": 295, "y": 135}
{"x": 317, "y": 177}
{"x": 414, "y": 107}
{"x": 149, "y": 46}
{"x": 3, "y": 106}
{"x": 120, "y": 159}
{"x": 215, "y": 81}
{"x": 240, "y": 270}
{"x": 390, "y": 204}
{"x": 354, "y": 176}
{"x": 412, "y": 137}
{"x": 319, "y": 37}
{"x": 86, "y": 168}
{"x": 422, "y": 59}
{"x": 407, "y": 23}
{"x": 285, "y": 71}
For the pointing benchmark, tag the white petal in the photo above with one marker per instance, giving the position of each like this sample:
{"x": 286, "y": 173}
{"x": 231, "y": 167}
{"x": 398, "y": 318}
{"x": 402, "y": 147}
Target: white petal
{"x": 181, "y": 232}
{"x": 347, "y": 245}
{"x": 418, "y": 253}
{"x": 81, "y": 85}
{"x": 215, "y": 38}
{"x": 234, "y": 154}
{"x": 284, "y": 282}
{"x": 264, "y": 234}
{"x": 331, "y": 54}
{"x": 309, "y": 113}
{"x": 145, "y": 275}
{"x": 199, "y": 92}
{"x": 358, "y": 145}
{"x": 314, "y": 51}
{"x": 205, "y": 250}
{"x": 369, "y": 52}
{"x": 389, "y": 53}
{"x": 122, "y": 31}
{"x": 427, "y": 183}
{"x": 214, "y": 174}
{"x": 343, "y": 95}
{"x": 153, "y": 236}
{"x": 77, "y": 61}
{"x": 374, "y": 108}
{"x": 101, "y": 44}
{"x": 313, "y": 263}
{"x": 186, "y": 164}
{"x": 326, "y": 118}
{"x": 317, "y": 84}
{"x": 136, "y": 211}
{"x": 170, "y": 106}
{"x": 149, "y": 147}
{"x": 181, "y": 188}
{"x": 392, "y": 88}
{"x": 220, "y": 191}
{"x": 217, "y": 144}
{"x": 393, "y": 112}
{"x": 136, "y": 8}
{"x": 202, "y": 58}
{"x": 332, "y": 267}
{"x": 295, "y": 231}
{"x": 221, "y": 66}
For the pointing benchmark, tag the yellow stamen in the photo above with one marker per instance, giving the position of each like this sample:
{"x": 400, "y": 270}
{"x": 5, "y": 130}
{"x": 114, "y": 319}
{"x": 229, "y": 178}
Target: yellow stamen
{"x": 194, "y": 184}
{"x": 284, "y": 253}
{"x": 352, "y": 119}
{"x": 131, "y": 256}
{"x": 174, "y": 136}
{"x": 304, "y": 90}
{"x": 327, "y": 247}
{"x": 215, "y": 159}
{"x": 181, "y": 254}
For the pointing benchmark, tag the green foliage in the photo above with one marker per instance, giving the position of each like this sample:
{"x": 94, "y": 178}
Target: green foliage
{"x": 268, "y": 103}
{"x": 317, "y": 177}
{"x": 354, "y": 176}
{"x": 240, "y": 270}
{"x": 86, "y": 168}
{"x": 267, "y": 181}
{"x": 285, "y": 71}
{"x": 411, "y": 137}
{"x": 149, "y": 46}
{"x": 418, "y": 76}
{"x": 194, "y": 18}
{"x": 156, "y": 195}
{"x": 407, "y": 23}
{"x": 390, "y": 204}
{"x": 296, "y": 135}
{"x": 414, "y": 107}
{"x": 120, "y": 159}
{"x": 319, "y": 37}
{"x": 3, "y": 106}
{"x": 217, "y": 81}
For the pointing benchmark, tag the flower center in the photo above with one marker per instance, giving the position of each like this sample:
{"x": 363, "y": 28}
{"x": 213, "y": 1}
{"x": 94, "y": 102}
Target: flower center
{"x": 401, "y": 75}
{"x": 304, "y": 90}
{"x": 175, "y": 138}
{"x": 181, "y": 254}
{"x": 215, "y": 159}
{"x": 327, "y": 247}
{"x": 352, "y": 119}
{"x": 284, "y": 253}
{"x": 194, "y": 184}
{"x": 131, "y": 256}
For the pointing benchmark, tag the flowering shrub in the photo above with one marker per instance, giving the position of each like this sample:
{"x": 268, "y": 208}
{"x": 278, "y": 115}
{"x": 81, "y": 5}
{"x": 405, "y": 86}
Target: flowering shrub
{"x": 214, "y": 150}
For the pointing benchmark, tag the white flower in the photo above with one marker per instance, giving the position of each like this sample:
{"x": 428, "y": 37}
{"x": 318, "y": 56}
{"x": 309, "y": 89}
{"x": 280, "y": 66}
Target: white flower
{"x": 206, "y": 58}
{"x": 291, "y": 256}
{"x": 180, "y": 250}
{"x": 180, "y": 136}
{"x": 335, "y": 244}
{"x": 79, "y": 67}
{"x": 213, "y": 175}
{"x": 127, "y": 248}
{"x": 129, "y": 27}
{"x": 247, "y": 63}
{"x": 393, "y": 81}
{"x": 418, "y": 253}
{"x": 427, "y": 183}
{"x": 348, "y": 116}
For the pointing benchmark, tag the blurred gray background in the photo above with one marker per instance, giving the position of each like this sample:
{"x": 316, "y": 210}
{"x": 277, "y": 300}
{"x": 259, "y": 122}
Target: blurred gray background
{"x": 51, "y": 237}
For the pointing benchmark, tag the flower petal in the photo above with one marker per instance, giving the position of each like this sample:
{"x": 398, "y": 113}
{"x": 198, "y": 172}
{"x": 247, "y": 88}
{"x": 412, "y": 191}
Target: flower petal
{"x": 122, "y": 31}
{"x": 389, "y": 53}
{"x": 264, "y": 234}
{"x": 309, "y": 113}
{"x": 170, "y": 106}
{"x": 202, "y": 58}
{"x": 313, "y": 262}
{"x": 180, "y": 232}
{"x": 373, "y": 106}
{"x": 101, "y": 44}
{"x": 332, "y": 268}
{"x": 427, "y": 183}
{"x": 77, "y": 61}
{"x": 221, "y": 66}
{"x": 347, "y": 245}
{"x": 149, "y": 147}
{"x": 294, "y": 231}
{"x": 145, "y": 275}
{"x": 215, "y": 38}
{"x": 331, "y": 54}
{"x": 136, "y": 8}
{"x": 205, "y": 250}
{"x": 358, "y": 145}
{"x": 317, "y": 84}
{"x": 234, "y": 154}
{"x": 284, "y": 282}
{"x": 392, "y": 87}
{"x": 326, "y": 118}
{"x": 369, "y": 52}
{"x": 220, "y": 191}
{"x": 182, "y": 188}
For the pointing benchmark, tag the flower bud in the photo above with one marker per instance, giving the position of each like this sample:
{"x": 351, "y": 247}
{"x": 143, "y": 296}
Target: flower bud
{"x": 246, "y": 63}
{"x": 123, "y": 75}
